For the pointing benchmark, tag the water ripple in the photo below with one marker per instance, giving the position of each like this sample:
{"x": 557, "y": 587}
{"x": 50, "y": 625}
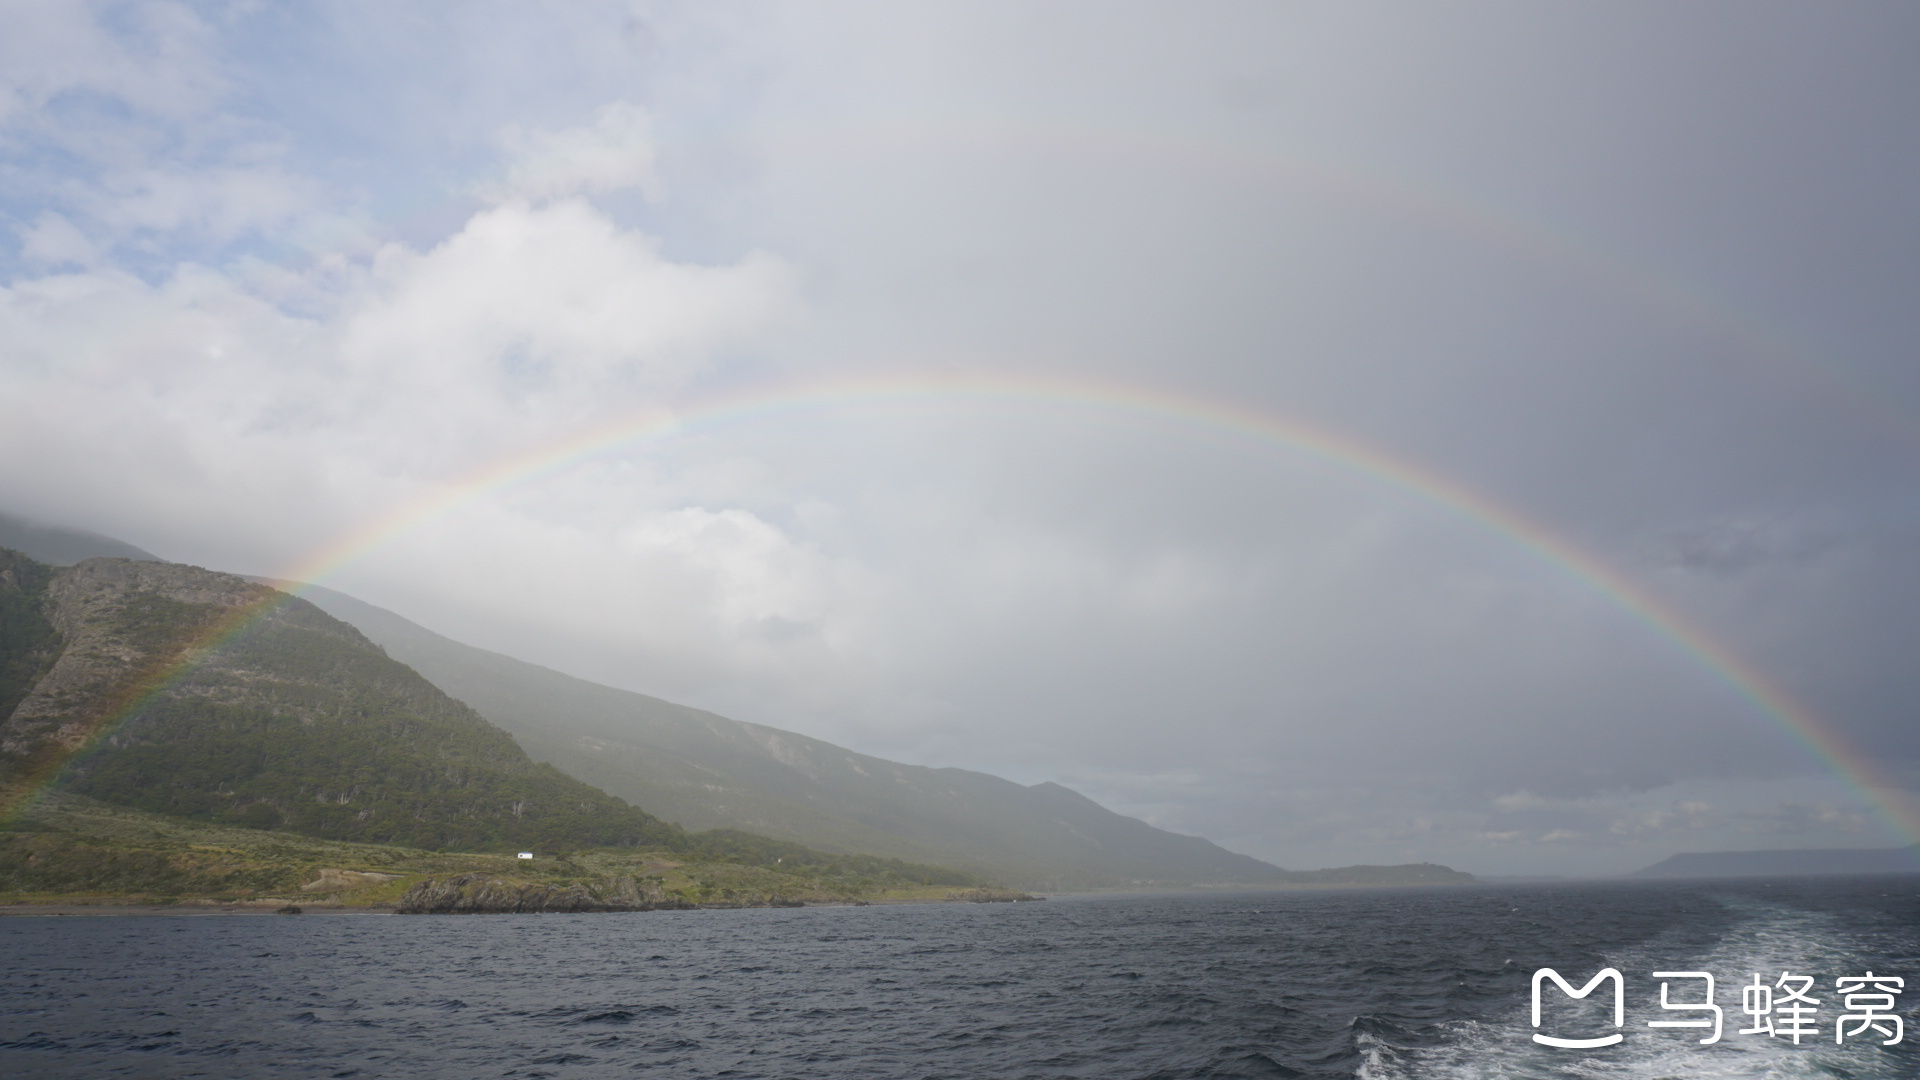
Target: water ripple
{"x": 1383, "y": 985}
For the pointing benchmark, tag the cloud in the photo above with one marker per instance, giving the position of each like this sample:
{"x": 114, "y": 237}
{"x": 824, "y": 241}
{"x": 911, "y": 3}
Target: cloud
{"x": 219, "y": 203}
{"x": 53, "y": 240}
{"x": 160, "y": 64}
{"x": 758, "y": 576}
{"x": 1690, "y": 815}
{"x": 612, "y": 153}
{"x": 1804, "y": 819}
{"x": 203, "y": 391}
{"x": 124, "y": 122}
{"x": 546, "y": 314}
{"x": 1732, "y": 546}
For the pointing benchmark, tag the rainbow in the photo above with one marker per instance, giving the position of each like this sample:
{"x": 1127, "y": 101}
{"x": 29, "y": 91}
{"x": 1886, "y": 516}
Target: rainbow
{"x": 1370, "y": 188}
{"x": 1366, "y": 187}
{"x": 1340, "y": 453}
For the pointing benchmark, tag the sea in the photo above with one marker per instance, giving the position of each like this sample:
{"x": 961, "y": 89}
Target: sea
{"x": 1388, "y": 984}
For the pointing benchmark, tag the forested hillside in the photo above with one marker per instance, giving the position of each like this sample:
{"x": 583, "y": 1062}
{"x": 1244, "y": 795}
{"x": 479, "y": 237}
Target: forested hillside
{"x": 202, "y": 695}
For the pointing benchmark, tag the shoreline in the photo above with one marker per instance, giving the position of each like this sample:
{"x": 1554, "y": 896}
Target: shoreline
{"x": 27, "y": 911}
{"x": 202, "y": 909}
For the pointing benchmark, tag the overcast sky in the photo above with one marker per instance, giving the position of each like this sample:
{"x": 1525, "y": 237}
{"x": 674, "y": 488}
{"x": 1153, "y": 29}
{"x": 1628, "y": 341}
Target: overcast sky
{"x": 920, "y": 313}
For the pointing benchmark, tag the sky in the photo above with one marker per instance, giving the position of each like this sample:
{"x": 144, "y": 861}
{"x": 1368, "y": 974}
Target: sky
{"x": 1481, "y": 433}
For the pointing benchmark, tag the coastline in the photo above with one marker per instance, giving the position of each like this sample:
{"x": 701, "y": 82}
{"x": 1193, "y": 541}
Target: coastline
{"x": 26, "y": 911}
{"x": 273, "y": 906}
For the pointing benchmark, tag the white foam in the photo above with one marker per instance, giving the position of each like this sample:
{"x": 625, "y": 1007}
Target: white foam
{"x": 1767, "y": 939}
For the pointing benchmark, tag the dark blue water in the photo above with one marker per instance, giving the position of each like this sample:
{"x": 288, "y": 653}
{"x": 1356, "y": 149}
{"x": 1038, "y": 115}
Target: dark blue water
{"x": 1372, "y": 984}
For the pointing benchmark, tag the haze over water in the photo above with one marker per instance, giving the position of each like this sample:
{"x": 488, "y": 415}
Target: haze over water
{"x": 1379, "y": 985}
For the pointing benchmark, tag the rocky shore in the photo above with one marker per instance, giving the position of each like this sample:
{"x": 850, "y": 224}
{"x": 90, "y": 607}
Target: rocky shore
{"x": 991, "y": 896}
{"x": 486, "y": 894}
{"x": 480, "y": 894}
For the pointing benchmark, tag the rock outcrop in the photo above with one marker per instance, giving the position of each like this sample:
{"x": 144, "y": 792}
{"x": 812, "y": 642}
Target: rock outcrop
{"x": 991, "y": 896}
{"x": 341, "y": 880}
{"x": 480, "y": 894}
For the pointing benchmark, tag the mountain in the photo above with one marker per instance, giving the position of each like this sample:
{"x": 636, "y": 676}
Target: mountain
{"x": 705, "y": 771}
{"x": 59, "y": 546}
{"x": 1787, "y": 863}
{"x": 280, "y": 726}
{"x": 287, "y": 719}
{"x": 294, "y": 721}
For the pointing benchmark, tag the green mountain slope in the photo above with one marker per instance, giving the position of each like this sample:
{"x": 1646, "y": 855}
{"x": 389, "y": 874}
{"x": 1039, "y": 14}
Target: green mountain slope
{"x": 66, "y": 848}
{"x": 706, "y": 771}
{"x": 297, "y": 721}
{"x": 28, "y": 642}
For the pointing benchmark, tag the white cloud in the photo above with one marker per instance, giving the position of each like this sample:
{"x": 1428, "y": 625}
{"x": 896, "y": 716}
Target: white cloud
{"x": 613, "y": 152}
{"x": 217, "y": 202}
{"x": 117, "y": 119}
{"x": 1804, "y": 819}
{"x": 199, "y": 390}
{"x": 162, "y": 66}
{"x": 1688, "y": 815}
{"x": 754, "y": 571}
{"x": 539, "y": 297}
{"x": 53, "y": 240}
{"x": 531, "y": 318}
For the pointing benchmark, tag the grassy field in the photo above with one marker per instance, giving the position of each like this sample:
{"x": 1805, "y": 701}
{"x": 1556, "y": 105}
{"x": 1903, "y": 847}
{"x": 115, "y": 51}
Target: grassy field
{"x": 68, "y": 849}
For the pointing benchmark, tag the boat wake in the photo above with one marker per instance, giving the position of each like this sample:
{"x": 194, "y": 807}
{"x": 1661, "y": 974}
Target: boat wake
{"x": 1764, "y": 938}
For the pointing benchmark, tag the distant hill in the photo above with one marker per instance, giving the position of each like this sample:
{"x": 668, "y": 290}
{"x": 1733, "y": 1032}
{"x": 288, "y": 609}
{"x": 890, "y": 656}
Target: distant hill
{"x": 705, "y": 771}
{"x": 59, "y": 546}
{"x": 1787, "y": 863}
